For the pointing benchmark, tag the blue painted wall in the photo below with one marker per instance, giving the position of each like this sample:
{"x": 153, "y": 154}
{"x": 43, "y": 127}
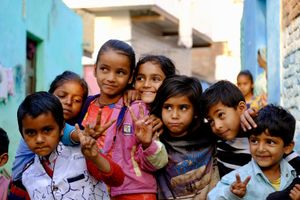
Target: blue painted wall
{"x": 261, "y": 27}
{"x": 59, "y": 33}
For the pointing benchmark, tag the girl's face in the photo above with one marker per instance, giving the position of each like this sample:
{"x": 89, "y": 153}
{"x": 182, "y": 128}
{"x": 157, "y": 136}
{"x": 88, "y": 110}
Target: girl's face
{"x": 148, "y": 80}
{"x": 70, "y": 95}
{"x": 113, "y": 74}
{"x": 177, "y": 115}
{"x": 245, "y": 85}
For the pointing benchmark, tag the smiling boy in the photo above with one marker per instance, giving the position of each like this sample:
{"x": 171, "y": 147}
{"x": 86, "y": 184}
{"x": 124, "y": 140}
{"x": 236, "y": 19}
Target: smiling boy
{"x": 267, "y": 172}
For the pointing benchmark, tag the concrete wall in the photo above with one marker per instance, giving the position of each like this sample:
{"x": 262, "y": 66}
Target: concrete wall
{"x": 148, "y": 40}
{"x": 58, "y": 31}
{"x": 291, "y": 61}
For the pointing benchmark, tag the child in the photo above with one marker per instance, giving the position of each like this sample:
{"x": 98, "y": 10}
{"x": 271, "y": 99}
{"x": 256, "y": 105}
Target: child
{"x": 246, "y": 85}
{"x": 191, "y": 171}
{"x": 138, "y": 156}
{"x": 72, "y": 91}
{"x": 224, "y": 104}
{"x": 4, "y": 181}
{"x": 267, "y": 172}
{"x": 58, "y": 171}
{"x": 149, "y": 74}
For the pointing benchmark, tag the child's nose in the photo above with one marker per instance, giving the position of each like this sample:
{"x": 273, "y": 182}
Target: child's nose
{"x": 39, "y": 138}
{"x": 175, "y": 113}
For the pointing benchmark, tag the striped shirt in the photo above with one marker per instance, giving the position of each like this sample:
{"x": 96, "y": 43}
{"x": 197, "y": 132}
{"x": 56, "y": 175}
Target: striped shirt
{"x": 232, "y": 154}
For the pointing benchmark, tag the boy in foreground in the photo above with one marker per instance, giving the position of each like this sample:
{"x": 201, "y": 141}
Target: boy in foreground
{"x": 60, "y": 171}
{"x": 267, "y": 172}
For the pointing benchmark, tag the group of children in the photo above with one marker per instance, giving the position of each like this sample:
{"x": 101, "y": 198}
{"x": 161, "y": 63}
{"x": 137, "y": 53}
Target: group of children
{"x": 149, "y": 134}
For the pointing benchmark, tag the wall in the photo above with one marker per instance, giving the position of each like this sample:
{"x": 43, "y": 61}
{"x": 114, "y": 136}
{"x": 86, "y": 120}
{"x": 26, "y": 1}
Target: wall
{"x": 58, "y": 31}
{"x": 291, "y": 61}
{"x": 149, "y": 40}
{"x": 253, "y": 34}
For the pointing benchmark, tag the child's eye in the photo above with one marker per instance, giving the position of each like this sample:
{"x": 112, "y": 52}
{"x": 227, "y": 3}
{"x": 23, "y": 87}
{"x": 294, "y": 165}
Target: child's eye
{"x": 47, "y": 130}
{"x": 77, "y": 100}
{"x": 122, "y": 73}
{"x": 271, "y": 142}
{"x": 103, "y": 69}
{"x": 30, "y": 132}
{"x": 253, "y": 141}
{"x": 221, "y": 115}
{"x": 140, "y": 78}
{"x": 167, "y": 107}
{"x": 183, "y": 107}
{"x": 156, "y": 79}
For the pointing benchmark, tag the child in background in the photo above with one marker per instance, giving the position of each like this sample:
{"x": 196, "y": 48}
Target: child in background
{"x": 58, "y": 171}
{"x": 268, "y": 171}
{"x": 246, "y": 85}
{"x": 191, "y": 170}
{"x": 4, "y": 181}
{"x": 138, "y": 156}
{"x": 224, "y": 104}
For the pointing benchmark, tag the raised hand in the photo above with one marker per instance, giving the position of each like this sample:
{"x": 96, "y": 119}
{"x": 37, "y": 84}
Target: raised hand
{"x": 143, "y": 127}
{"x": 97, "y": 130}
{"x": 295, "y": 192}
{"x": 247, "y": 121}
{"x": 157, "y": 125}
{"x": 239, "y": 187}
{"x": 88, "y": 145}
{"x": 130, "y": 96}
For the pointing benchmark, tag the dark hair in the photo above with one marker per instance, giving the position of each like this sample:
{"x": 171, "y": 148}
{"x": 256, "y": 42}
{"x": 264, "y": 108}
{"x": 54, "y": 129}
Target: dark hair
{"x": 278, "y": 121}
{"x": 121, "y": 48}
{"x": 180, "y": 85}
{"x": 67, "y": 76}
{"x": 41, "y": 103}
{"x": 4, "y": 141}
{"x": 165, "y": 63}
{"x": 223, "y": 92}
{"x": 246, "y": 73}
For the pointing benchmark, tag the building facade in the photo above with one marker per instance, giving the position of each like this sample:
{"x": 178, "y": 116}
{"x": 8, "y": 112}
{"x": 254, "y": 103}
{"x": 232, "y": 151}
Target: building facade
{"x": 39, "y": 40}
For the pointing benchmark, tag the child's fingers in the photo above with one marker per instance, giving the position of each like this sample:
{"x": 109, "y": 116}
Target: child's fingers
{"x": 141, "y": 111}
{"x": 107, "y": 125}
{"x": 98, "y": 121}
{"x": 238, "y": 178}
{"x": 134, "y": 118}
{"x": 246, "y": 181}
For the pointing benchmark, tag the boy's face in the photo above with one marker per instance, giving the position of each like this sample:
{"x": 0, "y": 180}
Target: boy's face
{"x": 41, "y": 134}
{"x": 268, "y": 150}
{"x": 225, "y": 121}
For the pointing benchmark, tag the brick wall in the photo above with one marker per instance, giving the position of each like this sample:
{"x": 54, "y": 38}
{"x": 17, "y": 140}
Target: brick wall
{"x": 291, "y": 61}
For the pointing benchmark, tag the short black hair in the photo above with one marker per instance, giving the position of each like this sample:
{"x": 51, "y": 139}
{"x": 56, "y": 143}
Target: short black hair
{"x": 223, "y": 92}
{"x": 247, "y": 73}
{"x": 41, "y": 103}
{"x": 4, "y": 141}
{"x": 278, "y": 121}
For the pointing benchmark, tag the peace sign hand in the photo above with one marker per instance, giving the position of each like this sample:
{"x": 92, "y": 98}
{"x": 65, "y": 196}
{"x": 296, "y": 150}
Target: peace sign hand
{"x": 239, "y": 187}
{"x": 97, "y": 130}
{"x": 143, "y": 127}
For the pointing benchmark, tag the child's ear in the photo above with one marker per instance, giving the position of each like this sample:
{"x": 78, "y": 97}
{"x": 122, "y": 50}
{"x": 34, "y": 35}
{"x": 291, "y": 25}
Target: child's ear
{"x": 3, "y": 159}
{"x": 289, "y": 148}
{"x": 242, "y": 106}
